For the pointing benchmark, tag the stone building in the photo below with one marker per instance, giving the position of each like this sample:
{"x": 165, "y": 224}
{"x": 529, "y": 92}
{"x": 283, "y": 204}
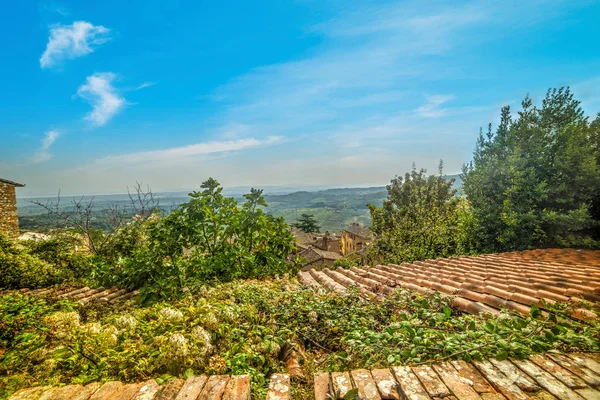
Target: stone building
{"x": 328, "y": 242}
{"x": 355, "y": 238}
{"x": 9, "y": 220}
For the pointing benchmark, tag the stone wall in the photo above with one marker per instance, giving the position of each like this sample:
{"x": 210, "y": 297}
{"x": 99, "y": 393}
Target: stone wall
{"x": 9, "y": 220}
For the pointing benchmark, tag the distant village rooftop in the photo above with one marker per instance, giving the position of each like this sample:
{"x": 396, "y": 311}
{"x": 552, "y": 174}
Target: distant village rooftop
{"x": 359, "y": 230}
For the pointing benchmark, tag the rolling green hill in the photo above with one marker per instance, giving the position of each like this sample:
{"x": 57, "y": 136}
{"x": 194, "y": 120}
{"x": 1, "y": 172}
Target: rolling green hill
{"x": 334, "y": 209}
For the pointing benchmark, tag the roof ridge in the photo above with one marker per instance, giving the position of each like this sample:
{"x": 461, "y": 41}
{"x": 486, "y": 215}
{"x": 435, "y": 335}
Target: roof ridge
{"x": 12, "y": 183}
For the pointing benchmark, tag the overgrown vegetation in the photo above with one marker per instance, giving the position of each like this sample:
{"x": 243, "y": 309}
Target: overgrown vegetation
{"x": 250, "y": 327}
{"x": 33, "y": 264}
{"x": 209, "y": 238}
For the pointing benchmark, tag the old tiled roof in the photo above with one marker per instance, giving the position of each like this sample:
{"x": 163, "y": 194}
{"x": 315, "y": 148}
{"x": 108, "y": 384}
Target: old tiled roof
{"x": 6, "y": 181}
{"x": 313, "y": 254}
{"x": 327, "y": 255}
{"x": 302, "y": 246}
{"x": 310, "y": 255}
{"x": 359, "y": 230}
{"x": 216, "y": 387}
{"x": 572, "y": 376}
{"x": 82, "y": 295}
{"x": 542, "y": 376}
{"x": 485, "y": 283}
{"x": 302, "y": 237}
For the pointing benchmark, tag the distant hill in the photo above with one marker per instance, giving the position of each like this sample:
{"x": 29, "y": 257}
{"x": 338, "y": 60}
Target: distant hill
{"x": 334, "y": 209}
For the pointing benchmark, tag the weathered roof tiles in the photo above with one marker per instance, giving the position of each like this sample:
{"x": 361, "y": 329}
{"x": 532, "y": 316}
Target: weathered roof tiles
{"x": 482, "y": 284}
{"x": 548, "y": 376}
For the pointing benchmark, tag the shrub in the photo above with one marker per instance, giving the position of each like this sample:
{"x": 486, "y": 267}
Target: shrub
{"x": 63, "y": 252}
{"x": 19, "y": 269}
{"x": 128, "y": 239}
{"x": 346, "y": 262}
{"x": 209, "y": 238}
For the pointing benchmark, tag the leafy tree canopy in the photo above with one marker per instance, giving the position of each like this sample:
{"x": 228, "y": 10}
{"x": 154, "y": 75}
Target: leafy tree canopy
{"x": 421, "y": 218}
{"x": 535, "y": 181}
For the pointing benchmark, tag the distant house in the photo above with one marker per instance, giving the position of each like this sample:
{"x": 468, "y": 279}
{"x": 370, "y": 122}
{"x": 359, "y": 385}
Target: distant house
{"x": 328, "y": 242}
{"x": 301, "y": 237}
{"x": 317, "y": 258}
{"x": 325, "y": 241}
{"x": 9, "y": 219}
{"x": 355, "y": 238}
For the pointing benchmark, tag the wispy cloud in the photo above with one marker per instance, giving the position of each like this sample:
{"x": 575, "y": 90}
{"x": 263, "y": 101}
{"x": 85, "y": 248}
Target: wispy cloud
{"x": 72, "y": 41}
{"x": 43, "y": 153}
{"x": 53, "y": 7}
{"x": 104, "y": 98}
{"x": 186, "y": 152}
{"x": 432, "y": 108}
{"x": 361, "y": 87}
{"x": 144, "y": 85}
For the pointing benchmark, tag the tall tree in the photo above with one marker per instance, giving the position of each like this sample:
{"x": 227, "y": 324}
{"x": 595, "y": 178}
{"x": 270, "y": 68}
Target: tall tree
{"x": 533, "y": 182}
{"x": 307, "y": 223}
{"x": 421, "y": 218}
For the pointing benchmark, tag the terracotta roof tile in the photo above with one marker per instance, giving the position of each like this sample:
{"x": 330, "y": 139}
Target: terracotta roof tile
{"x": 514, "y": 281}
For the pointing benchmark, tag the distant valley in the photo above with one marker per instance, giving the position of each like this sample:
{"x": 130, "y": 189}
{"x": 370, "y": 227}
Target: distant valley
{"x": 334, "y": 209}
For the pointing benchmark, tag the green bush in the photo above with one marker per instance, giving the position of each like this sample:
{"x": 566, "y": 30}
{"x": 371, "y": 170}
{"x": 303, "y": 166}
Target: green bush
{"x": 128, "y": 239}
{"x": 209, "y": 238}
{"x": 19, "y": 269}
{"x": 347, "y": 262}
{"x": 63, "y": 251}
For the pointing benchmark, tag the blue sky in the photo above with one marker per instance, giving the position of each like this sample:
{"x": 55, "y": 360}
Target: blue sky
{"x": 96, "y": 95}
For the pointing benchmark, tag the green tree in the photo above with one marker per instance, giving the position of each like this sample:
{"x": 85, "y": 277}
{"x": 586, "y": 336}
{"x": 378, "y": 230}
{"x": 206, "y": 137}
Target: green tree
{"x": 534, "y": 181}
{"x": 307, "y": 223}
{"x": 208, "y": 238}
{"x": 421, "y": 218}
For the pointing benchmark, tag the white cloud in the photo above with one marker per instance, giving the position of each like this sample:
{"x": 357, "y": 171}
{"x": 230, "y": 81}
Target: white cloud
{"x": 145, "y": 85}
{"x": 432, "y": 108}
{"x": 43, "y": 153}
{"x": 176, "y": 154}
{"x": 72, "y": 41}
{"x": 104, "y": 98}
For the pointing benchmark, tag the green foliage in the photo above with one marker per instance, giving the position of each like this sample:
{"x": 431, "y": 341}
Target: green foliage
{"x": 127, "y": 240}
{"x": 534, "y": 182}
{"x": 346, "y": 262}
{"x": 40, "y": 263}
{"x": 65, "y": 252}
{"x": 421, "y": 218}
{"x": 244, "y": 327}
{"x": 208, "y": 238}
{"x": 307, "y": 223}
{"x": 19, "y": 269}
